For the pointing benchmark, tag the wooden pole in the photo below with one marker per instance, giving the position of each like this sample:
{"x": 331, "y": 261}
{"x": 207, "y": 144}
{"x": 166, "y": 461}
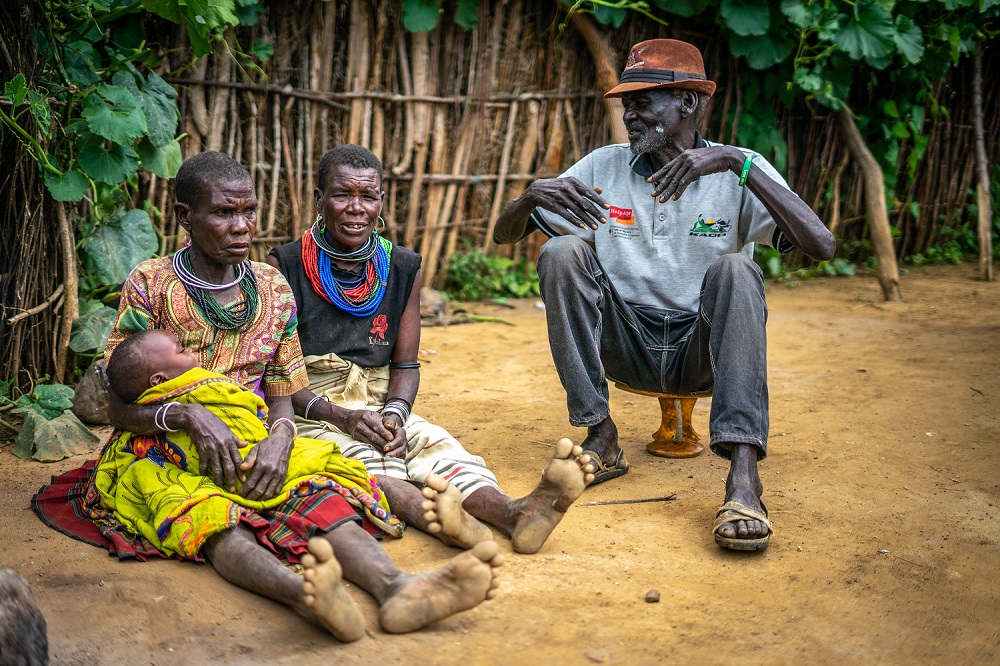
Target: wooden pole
{"x": 875, "y": 206}
{"x": 607, "y": 72}
{"x": 498, "y": 197}
{"x": 71, "y": 302}
{"x": 982, "y": 171}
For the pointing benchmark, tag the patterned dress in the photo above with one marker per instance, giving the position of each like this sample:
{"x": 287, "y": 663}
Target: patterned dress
{"x": 265, "y": 358}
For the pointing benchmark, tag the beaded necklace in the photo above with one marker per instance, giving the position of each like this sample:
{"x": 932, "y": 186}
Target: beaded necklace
{"x": 234, "y": 318}
{"x": 359, "y": 297}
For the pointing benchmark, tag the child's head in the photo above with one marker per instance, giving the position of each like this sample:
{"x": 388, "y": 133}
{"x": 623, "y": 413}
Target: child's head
{"x": 145, "y": 359}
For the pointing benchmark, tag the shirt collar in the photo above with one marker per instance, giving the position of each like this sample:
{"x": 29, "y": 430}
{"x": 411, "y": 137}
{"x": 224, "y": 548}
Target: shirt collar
{"x": 642, "y": 166}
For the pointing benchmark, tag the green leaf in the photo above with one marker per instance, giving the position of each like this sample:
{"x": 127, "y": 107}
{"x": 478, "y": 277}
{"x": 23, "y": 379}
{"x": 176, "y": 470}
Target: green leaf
{"x": 16, "y": 89}
{"x": 261, "y": 49}
{"x": 157, "y": 98}
{"x": 163, "y": 161}
{"x": 40, "y": 111}
{"x": 82, "y": 62}
{"x": 908, "y": 39}
{"x": 899, "y": 130}
{"x": 91, "y": 329}
{"x": 420, "y": 15}
{"x": 202, "y": 17}
{"x": 106, "y": 161}
{"x": 746, "y": 17}
{"x": 55, "y": 439}
{"x": 467, "y": 14}
{"x": 682, "y": 7}
{"x": 605, "y": 15}
{"x": 71, "y": 186}
{"x": 47, "y": 400}
{"x": 761, "y": 52}
{"x": 118, "y": 246}
{"x": 113, "y": 113}
{"x": 802, "y": 17}
{"x": 249, "y": 12}
{"x": 868, "y": 35}
{"x": 168, "y": 9}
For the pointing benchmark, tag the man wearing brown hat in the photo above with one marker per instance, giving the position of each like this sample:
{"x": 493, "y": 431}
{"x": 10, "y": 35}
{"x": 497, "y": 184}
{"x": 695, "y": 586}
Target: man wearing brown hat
{"x": 649, "y": 278}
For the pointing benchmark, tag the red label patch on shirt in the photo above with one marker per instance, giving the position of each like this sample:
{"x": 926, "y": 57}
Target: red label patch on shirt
{"x": 622, "y": 215}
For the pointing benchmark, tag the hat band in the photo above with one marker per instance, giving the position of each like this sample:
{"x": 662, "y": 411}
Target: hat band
{"x": 648, "y": 75}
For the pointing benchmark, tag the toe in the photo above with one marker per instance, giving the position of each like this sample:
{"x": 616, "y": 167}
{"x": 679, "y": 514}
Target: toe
{"x": 430, "y": 516}
{"x": 308, "y": 561}
{"x": 321, "y": 549}
{"x": 486, "y": 551}
{"x": 728, "y": 530}
{"x": 428, "y": 492}
{"x": 428, "y": 505}
{"x": 563, "y": 448}
{"x": 437, "y": 482}
{"x": 577, "y": 450}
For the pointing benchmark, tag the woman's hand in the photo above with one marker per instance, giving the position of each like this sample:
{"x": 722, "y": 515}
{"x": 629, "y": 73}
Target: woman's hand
{"x": 366, "y": 426}
{"x": 267, "y": 464}
{"x": 218, "y": 448}
{"x": 397, "y": 447}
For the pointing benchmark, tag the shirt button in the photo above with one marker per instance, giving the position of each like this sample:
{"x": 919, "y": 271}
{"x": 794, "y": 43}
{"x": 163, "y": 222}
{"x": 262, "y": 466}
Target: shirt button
{"x": 662, "y": 217}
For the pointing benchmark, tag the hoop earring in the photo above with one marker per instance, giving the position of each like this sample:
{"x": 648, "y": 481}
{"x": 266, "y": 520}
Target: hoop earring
{"x": 320, "y": 223}
{"x": 377, "y": 230}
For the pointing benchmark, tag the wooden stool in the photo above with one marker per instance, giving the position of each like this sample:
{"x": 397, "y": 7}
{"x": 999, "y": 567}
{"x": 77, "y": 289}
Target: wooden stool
{"x": 676, "y": 437}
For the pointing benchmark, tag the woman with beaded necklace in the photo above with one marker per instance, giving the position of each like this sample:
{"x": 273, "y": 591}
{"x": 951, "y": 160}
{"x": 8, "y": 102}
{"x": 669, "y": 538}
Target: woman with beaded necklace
{"x": 358, "y": 299}
{"x": 240, "y": 317}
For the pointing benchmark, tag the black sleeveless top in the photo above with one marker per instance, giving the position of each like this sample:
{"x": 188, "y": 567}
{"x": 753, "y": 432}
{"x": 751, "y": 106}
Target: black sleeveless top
{"x": 324, "y": 328}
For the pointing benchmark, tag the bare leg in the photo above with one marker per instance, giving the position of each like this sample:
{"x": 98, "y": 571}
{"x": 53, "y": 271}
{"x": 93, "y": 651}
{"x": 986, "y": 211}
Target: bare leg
{"x": 412, "y": 601}
{"x": 449, "y": 521}
{"x": 528, "y": 521}
{"x": 238, "y": 558}
{"x": 743, "y": 485}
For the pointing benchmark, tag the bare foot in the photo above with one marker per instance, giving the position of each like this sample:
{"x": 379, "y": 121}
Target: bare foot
{"x": 323, "y": 593}
{"x": 447, "y": 519}
{"x": 463, "y": 583}
{"x": 563, "y": 480}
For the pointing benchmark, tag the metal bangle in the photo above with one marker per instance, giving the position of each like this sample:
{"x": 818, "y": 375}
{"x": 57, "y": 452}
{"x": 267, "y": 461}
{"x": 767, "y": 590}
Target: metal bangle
{"x": 312, "y": 402}
{"x": 404, "y": 365}
{"x": 295, "y": 430}
{"x": 395, "y": 409}
{"x": 160, "y": 418}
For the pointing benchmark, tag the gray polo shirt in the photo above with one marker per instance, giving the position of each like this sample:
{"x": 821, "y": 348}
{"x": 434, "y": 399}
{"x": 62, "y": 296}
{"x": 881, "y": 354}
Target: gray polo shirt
{"x": 656, "y": 255}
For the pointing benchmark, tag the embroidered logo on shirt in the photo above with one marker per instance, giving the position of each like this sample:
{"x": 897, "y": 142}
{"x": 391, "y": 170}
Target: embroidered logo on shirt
{"x": 622, "y": 215}
{"x": 379, "y": 326}
{"x": 705, "y": 227}
{"x": 635, "y": 60}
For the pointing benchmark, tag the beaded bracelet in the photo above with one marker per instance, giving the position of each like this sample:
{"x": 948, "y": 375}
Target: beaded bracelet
{"x": 312, "y": 402}
{"x": 746, "y": 170}
{"x": 160, "y": 417}
{"x": 295, "y": 430}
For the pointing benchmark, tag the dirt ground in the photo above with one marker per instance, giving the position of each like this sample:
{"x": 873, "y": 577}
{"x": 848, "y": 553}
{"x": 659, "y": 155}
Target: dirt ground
{"x": 882, "y": 483}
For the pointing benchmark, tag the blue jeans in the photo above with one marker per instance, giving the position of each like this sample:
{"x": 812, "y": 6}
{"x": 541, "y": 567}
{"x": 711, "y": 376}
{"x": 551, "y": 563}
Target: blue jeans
{"x": 721, "y": 350}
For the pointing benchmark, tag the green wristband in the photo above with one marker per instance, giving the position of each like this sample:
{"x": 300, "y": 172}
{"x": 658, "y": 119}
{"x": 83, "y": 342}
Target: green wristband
{"x": 746, "y": 170}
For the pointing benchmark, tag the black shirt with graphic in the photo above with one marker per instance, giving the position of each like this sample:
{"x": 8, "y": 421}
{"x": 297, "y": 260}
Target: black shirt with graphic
{"x": 324, "y": 328}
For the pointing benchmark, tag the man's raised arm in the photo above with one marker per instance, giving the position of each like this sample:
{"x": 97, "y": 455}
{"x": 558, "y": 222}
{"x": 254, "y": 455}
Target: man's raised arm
{"x": 567, "y": 197}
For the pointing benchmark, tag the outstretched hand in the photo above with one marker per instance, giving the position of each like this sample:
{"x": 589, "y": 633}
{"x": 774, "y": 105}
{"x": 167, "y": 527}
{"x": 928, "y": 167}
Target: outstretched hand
{"x": 675, "y": 176}
{"x": 569, "y": 198}
{"x": 218, "y": 448}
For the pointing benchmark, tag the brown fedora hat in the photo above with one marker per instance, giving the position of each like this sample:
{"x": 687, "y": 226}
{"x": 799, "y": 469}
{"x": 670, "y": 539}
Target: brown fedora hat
{"x": 663, "y": 63}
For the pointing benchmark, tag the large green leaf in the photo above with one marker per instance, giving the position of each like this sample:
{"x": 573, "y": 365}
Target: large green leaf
{"x": 249, "y": 12}
{"x": 761, "y": 52}
{"x": 908, "y": 39}
{"x": 15, "y": 90}
{"x": 467, "y": 14}
{"x": 800, "y": 15}
{"x": 91, "y": 328}
{"x": 614, "y": 16}
{"x": 118, "y": 246}
{"x": 163, "y": 161}
{"x": 200, "y": 16}
{"x": 82, "y": 62}
{"x": 156, "y": 97}
{"x": 51, "y": 440}
{"x": 47, "y": 400}
{"x": 746, "y": 17}
{"x": 421, "y": 15}
{"x": 106, "y": 161}
{"x": 71, "y": 186}
{"x": 113, "y": 113}
{"x": 867, "y": 35}
{"x": 682, "y": 7}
